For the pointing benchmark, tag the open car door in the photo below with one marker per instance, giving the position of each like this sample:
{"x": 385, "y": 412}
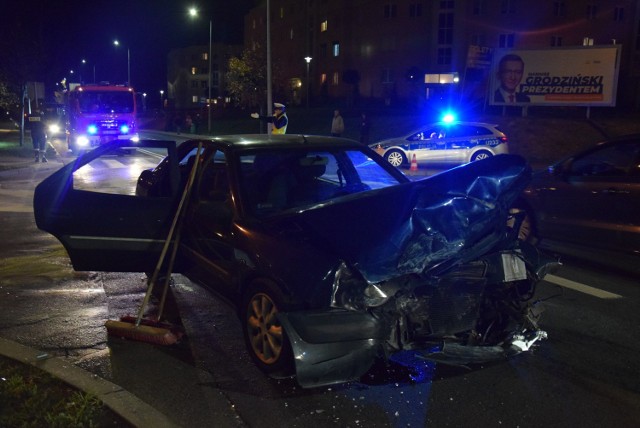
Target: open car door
{"x": 92, "y": 208}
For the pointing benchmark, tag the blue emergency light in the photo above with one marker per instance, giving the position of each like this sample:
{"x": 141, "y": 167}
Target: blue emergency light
{"x": 124, "y": 128}
{"x": 92, "y": 129}
{"x": 448, "y": 118}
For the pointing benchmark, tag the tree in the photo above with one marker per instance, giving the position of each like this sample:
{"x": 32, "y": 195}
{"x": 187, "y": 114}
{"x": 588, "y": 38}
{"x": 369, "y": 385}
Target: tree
{"x": 247, "y": 79}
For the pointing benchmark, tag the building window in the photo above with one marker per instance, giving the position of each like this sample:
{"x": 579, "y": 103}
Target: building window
{"x": 386, "y": 76}
{"x": 444, "y": 56}
{"x": 447, "y": 4}
{"x": 335, "y": 79}
{"x": 323, "y": 26}
{"x": 204, "y": 56}
{"x": 445, "y": 28}
{"x": 415, "y": 10}
{"x": 323, "y": 50}
{"x": 203, "y": 84}
{"x": 559, "y": 8}
{"x": 194, "y": 70}
{"x": 194, "y": 99}
{"x": 323, "y": 78}
{"x": 479, "y": 7}
{"x": 507, "y": 6}
{"x": 390, "y": 10}
{"x": 618, "y": 14}
{"x": 194, "y": 83}
{"x": 506, "y": 40}
{"x": 556, "y": 41}
{"x": 281, "y": 12}
{"x": 592, "y": 11}
{"x": 336, "y": 49}
{"x": 291, "y": 34}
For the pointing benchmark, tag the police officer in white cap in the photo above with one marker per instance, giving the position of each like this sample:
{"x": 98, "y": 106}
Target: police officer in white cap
{"x": 279, "y": 119}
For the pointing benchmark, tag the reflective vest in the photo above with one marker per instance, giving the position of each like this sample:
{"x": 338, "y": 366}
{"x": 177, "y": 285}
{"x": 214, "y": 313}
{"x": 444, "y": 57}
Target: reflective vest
{"x": 280, "y": 124}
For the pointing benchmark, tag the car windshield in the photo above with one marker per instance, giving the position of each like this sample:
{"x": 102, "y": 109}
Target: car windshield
{"x": 105, "y": 102}
{"x": 274, "y": 181}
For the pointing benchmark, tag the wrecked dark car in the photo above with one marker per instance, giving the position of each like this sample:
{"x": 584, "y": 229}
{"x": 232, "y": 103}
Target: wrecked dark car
{"x": 331, "y": 257}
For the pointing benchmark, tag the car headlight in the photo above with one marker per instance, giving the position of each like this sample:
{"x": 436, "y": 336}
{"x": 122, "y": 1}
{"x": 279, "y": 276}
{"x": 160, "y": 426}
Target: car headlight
{"x": 54, "y": 128}
{"x": 82, "y": 141}
{"x": 351, "y": 291}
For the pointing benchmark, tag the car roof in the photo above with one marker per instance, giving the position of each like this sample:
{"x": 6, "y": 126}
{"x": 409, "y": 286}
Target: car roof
{"x": 258, "y": 141}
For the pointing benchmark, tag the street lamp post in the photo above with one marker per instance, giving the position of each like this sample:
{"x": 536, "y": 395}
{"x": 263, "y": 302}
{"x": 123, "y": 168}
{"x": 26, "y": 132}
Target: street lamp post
{"x": 308, "y": 60}
{"x": 117, "y": 43}
{"x": 161, "y": 99}
{"x": 194, "y": 12}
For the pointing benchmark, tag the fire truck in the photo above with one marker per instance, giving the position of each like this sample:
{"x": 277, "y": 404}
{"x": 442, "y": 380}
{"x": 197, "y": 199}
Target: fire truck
{"x": 99, "y": 114}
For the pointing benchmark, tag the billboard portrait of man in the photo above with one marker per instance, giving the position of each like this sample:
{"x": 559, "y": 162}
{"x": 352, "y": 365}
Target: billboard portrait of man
{"x": 510, "y": 72}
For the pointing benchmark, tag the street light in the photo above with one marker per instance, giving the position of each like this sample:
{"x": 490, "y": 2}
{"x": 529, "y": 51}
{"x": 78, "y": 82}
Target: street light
{"x": 308, "y": 60}
{"x": 117, "y": 43}
{"x": 161, "y": 98}
{"x": 193, "y": 12}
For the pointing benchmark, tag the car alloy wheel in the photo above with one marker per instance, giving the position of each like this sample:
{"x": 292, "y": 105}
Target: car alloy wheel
{"x": 482, "y": 154}
{"x": 266, "y": 339}
{"x": 395, "y": 158}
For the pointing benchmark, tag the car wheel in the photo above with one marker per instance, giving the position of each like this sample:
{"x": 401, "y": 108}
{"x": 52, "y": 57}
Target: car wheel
{"x": 265, "y": 338}
{"x": 482, "y": 154}
{"x": 395, "y": 158}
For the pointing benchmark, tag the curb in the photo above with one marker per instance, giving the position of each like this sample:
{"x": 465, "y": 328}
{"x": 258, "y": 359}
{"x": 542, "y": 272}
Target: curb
{"x": 128, "y": 406}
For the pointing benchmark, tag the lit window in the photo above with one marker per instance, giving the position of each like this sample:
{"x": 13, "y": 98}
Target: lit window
{"x": 323, "y": 26}
{"x": 205, "y": 56}
{"x": 336, "y": 78}
{"x": 281, "y": 12}
{"x": 336, "y": 49}
{"x": 291, "y": 34}
{"x": 194, "y": 70}
{"x": 194, "y": 99}
{"x": 323, "y": 78}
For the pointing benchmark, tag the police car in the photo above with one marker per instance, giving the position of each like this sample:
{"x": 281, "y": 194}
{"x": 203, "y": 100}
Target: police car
{"x": 444, "y": 143}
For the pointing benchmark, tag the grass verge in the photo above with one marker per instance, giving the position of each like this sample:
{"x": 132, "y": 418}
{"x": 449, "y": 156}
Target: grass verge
{"x": 30, "y": 397}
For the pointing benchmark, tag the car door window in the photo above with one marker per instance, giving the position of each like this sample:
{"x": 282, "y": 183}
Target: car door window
{"x": 609, "y": 162}
{"x": 116, "y": 171}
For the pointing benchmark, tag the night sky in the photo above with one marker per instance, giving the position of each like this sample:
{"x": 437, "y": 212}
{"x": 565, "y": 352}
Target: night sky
{"x": 59, "y": 34}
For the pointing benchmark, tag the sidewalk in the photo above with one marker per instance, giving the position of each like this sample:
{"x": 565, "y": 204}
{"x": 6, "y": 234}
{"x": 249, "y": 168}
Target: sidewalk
{"x": 152, "y": 381}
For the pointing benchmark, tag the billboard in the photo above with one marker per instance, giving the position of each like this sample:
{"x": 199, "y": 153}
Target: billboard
{"x": 579, "y": 76}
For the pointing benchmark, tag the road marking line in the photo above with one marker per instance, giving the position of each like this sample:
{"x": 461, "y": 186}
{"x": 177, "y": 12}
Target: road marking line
{"x": 596, "y": 292}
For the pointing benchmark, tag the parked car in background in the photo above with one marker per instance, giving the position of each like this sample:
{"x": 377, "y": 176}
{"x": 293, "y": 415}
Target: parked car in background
{"x": 588, "y": 201}
{"x": 331, "y": 257}
{"x": 444, "y": 143}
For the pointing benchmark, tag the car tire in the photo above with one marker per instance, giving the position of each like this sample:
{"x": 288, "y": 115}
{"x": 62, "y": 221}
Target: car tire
{"x": 481, "y": 154}
{"x": 396, "y": 158}
{"x": 264, "y": 336}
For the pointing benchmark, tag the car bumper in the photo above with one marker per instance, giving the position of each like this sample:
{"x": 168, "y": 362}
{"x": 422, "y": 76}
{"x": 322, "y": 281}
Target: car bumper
{"x": 333, "y": 346}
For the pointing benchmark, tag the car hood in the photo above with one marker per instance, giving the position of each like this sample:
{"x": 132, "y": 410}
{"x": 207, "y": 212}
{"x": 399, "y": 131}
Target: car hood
{"x": 420, "y": 226}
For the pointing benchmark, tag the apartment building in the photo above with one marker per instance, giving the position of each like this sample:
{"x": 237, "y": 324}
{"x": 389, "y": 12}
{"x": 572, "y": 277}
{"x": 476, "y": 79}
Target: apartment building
{"x": 188, "y": 75}
{"x": 405, "y": 51}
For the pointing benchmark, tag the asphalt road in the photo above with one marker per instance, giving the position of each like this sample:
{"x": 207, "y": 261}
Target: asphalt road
{"x": 586, "y": 374}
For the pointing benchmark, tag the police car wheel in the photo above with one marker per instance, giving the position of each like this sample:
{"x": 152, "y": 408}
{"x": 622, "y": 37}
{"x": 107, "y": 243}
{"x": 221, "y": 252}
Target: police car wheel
{"x": 395, "y": 158}
{"x": 482, "y": 154}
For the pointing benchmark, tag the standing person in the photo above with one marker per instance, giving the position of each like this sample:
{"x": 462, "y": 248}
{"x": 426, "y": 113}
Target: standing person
{"x": 38, "y": 135}
{"x": 510, "y": 72}
{"x": 365, "y": 127}
{"x": 337, "y": 124}
{"x": 279, "y": 119}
